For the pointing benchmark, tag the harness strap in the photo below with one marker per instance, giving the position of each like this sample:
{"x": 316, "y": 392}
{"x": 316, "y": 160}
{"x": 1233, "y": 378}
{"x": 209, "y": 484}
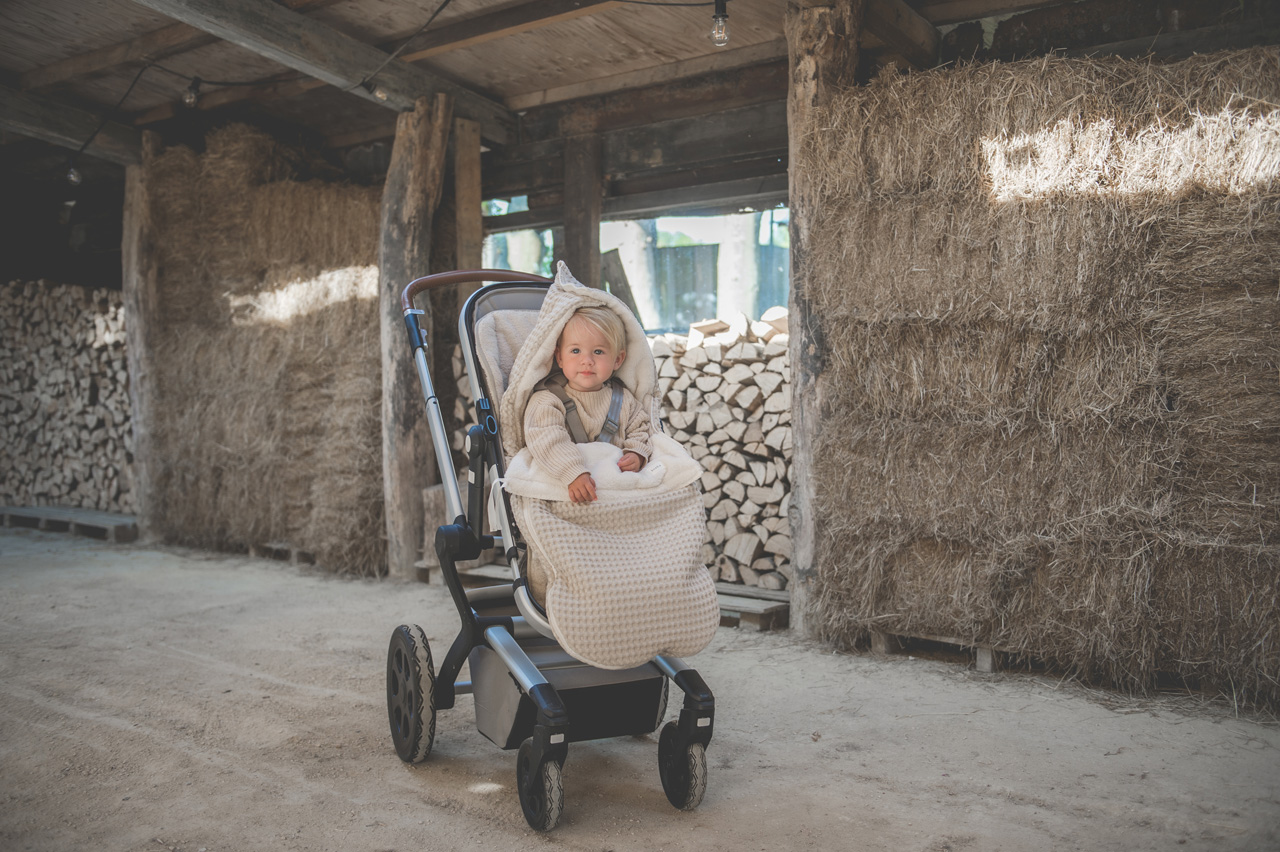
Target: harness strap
{"x": 573, "y": 420}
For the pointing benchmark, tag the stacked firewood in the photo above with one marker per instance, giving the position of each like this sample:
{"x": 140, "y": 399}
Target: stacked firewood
{"x": 64, "y": 397}
{"x": 726, "y": 395}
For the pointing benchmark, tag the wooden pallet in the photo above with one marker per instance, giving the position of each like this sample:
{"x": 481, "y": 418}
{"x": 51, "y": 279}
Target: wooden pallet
{"x": 987, "y": 658}
{"x": 89, "y": 522}
{"x": 282, "y": 552}
{"x": 748, "y": 606}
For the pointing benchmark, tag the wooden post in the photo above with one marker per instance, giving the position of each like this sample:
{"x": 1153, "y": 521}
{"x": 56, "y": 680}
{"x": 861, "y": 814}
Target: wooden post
{"x": 583, "y": 204}
{"x": 467, "y": 197}
{"x": 414, "y": 182}
{"x": 615, "y": 275}
{"x": 141, "y": 305}
{"x": 822, "y": 46}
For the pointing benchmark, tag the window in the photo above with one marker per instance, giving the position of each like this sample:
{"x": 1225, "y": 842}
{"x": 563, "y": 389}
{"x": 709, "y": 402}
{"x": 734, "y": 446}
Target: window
{"x": 679, "y": 269}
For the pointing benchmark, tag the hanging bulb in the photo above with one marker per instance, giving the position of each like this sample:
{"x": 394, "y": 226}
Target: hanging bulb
{"x": 720, "y": 24}
{"x": 375, "y": 90}
{"x": 192, "y": 95}
{"x": 73, "y": 175}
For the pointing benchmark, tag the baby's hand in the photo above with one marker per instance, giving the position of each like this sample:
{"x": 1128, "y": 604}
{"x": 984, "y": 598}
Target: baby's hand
{"x": 582, "y": 489}
{"x": 630, "y": 462}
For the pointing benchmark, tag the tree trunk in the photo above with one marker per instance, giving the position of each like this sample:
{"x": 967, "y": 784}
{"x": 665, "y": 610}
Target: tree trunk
{"x": 822, "y": 45}
{"x": 414, "y": 181}
{"x": 141, "y": 306}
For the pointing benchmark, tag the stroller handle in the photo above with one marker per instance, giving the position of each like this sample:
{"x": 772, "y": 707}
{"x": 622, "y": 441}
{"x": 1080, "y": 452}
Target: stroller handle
{"x": 464, "y": 276}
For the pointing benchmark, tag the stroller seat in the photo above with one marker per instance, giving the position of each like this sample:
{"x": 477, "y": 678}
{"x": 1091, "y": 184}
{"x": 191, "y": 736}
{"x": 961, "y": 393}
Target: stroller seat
{"x": 530, "y": 694}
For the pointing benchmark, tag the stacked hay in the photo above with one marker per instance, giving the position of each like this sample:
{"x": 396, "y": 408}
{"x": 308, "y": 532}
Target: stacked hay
{"x": 65, "y": 435}
{"x": 1050, "y": 297}
{"x": 268, "y": 376}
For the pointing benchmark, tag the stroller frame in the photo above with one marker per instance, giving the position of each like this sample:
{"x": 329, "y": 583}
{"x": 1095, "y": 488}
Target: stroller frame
{"x": 529, "y": 693}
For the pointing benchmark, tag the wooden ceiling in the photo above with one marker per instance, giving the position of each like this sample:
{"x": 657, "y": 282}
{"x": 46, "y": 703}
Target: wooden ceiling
{"x": 65, "y": 64}
{"x": 326, "y": 69}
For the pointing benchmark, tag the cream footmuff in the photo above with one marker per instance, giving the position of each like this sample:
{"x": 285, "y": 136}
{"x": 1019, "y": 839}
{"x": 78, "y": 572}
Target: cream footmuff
{"x": 626, "y": 594}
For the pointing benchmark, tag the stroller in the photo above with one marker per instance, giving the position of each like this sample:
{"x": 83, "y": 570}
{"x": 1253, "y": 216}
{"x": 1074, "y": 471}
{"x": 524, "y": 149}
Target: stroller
{"x": 529, "y": 693}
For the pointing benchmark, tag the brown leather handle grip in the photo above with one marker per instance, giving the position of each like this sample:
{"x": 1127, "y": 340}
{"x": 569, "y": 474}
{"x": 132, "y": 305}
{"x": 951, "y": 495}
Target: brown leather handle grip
{"x": 465, "y": 276}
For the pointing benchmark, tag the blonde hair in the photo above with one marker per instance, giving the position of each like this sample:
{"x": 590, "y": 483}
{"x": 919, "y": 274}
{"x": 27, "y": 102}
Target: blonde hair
{"x": 606, "y": 322}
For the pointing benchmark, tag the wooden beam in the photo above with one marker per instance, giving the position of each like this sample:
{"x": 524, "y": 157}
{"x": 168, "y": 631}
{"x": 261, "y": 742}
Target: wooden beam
{"x": 711, "y": 63}
{"x": 512, "y": 20}
{"x": 140, "y": 279}
{"x": 583, "y": 200}
{"x": 1187, "y": 42}
{"x": 329, "y": 55}
{"x": 822, "y": 39}
{"x": 941, "y": 12}
{"x": 157, "y": 44}
{"x": 413, "y": 186}
{"x": 70, "y": 127}
{"x": 466, "y": 33}
{"x": 153, "y": 45}
{"x": 901, "y": 28}
{"x": 680, "y": 144}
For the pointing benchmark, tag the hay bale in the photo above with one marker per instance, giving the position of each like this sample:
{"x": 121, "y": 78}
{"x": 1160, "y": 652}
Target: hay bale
{"x": 1048, "y": 295}
{"x": 268, "y": 412}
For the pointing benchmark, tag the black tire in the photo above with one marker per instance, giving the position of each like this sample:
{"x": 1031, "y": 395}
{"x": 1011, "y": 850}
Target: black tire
{"x": 540, "y": 788}
{"x": 683, "y": 770}
{"x": 411, "y": 693}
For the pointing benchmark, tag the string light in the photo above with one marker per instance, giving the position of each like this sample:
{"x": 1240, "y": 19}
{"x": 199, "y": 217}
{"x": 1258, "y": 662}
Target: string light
{"x": 191, "y": 96}
{"x": 720, "y": 24}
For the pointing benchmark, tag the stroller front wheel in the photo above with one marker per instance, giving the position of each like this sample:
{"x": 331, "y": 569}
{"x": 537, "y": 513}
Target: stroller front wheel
{"x": 540, "y": 788}
{"x": 683, "y": 770}
{"x": 411, "y": 700}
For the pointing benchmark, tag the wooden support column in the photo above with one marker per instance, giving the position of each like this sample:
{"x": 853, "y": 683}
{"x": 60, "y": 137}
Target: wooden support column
{"x": 139, "y": 273}
{"x": 469, "y": 241}
{"x": 822, "y": 45}
{"x": 414, "y": 182}
{"x": 583, "y": 204}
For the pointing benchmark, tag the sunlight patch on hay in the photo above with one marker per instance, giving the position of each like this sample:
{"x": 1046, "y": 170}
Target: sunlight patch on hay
{"x": 1231, "y": 152}
{"x": 298, "y": 298}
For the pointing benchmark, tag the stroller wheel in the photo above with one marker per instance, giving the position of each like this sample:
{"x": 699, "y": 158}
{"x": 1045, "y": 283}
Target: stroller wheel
{"x": 541, "y": 793}
{"x": 411, "y": 699}
{"x": 683, "y": 770}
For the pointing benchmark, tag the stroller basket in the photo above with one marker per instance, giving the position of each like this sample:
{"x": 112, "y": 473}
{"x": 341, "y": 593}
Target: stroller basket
{"x": 529, "y": 694}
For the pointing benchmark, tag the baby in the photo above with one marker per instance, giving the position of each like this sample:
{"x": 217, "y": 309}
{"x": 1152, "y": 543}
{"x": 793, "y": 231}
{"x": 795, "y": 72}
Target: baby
{"x": 588, "y": 352}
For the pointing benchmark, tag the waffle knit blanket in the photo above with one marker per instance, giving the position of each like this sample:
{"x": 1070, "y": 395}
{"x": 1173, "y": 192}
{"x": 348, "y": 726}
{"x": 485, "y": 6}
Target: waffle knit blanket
{"x": 624, "y": 574}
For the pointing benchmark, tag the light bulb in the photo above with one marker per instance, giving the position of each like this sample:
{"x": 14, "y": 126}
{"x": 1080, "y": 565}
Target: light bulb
{"x": 73, "y": 176}
{"x": 192, "y": 95}
{"x": 374, "y": 89}
{"x": 720, "y": 31}
{"x": 720, "y": 24}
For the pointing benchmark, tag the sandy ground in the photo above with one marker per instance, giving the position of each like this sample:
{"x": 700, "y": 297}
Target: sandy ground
{"x": 155, "y": 698}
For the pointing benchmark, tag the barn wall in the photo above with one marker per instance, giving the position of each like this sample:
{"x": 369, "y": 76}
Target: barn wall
{"x": 1047, "y": 293}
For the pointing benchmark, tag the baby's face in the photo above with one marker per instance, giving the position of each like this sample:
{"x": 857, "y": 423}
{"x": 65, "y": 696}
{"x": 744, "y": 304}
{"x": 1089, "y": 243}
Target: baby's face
{"x": 585, "y": 357}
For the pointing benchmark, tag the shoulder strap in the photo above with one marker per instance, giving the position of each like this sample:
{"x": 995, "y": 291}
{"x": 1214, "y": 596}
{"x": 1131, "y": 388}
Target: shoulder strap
{"x": 572, "y": 420}
{"x": 611, "y": 424}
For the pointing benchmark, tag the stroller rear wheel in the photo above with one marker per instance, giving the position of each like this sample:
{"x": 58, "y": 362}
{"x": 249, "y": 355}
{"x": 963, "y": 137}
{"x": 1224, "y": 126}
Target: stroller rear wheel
{"x": 540, "y": 788}
{"x": 683, "y": 770}
{"x": 411, "y": 683}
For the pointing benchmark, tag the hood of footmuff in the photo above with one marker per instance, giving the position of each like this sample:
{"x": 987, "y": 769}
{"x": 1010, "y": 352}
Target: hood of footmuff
{"x": 536, "y": 357}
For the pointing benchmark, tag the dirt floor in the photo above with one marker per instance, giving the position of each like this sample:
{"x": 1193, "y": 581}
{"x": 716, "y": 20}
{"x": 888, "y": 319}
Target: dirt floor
{"x": 156, "y": 698}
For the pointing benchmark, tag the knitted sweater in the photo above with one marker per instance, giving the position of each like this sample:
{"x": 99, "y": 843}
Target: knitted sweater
{"x": 548, "y": 438}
